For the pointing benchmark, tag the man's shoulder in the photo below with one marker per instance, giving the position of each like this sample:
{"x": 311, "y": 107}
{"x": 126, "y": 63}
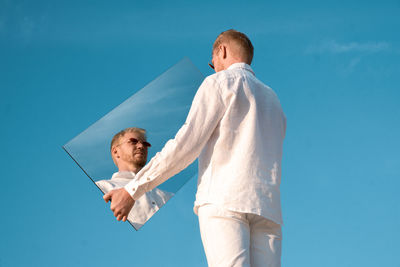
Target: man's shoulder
{"x": 220, "y": 78}
{"x": 235, "y": 71}
{"x": 105, "y": 185}
{"x": 223, "y": 75}
{"x": 231, "y": 78}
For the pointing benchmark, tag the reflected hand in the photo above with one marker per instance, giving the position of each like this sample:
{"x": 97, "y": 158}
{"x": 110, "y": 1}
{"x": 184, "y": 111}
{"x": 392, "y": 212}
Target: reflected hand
{"x": 121, "y": 203}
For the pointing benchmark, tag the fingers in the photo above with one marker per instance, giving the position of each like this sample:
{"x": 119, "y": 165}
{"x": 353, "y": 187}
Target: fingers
{"x": 121, "y": 203}
{"x": 107, "y": 197}
{"x": 121, "y": 217}
{"x": 119, "y": 214}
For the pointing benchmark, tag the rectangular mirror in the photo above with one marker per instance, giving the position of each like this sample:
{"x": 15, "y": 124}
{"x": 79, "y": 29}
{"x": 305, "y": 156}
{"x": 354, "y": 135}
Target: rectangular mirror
{"x": 160, "y": 108}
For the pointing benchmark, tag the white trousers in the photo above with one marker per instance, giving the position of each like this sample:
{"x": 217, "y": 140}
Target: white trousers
{"x": 234, "y": 239}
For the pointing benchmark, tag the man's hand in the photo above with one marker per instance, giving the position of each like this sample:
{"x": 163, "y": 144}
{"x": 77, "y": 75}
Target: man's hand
{"x": 121, "y": 203}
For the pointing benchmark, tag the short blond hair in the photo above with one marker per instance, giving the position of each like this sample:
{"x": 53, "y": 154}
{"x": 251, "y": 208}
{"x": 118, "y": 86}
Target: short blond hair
{"x": 121, "y": 134}
{"x": 246, "y": 49}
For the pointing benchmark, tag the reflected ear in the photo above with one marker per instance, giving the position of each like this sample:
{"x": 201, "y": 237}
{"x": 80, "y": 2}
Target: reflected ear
{"x": 114, "y": 152}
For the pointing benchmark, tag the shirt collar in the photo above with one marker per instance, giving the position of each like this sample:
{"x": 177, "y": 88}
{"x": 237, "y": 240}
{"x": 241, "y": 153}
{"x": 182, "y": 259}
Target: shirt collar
{"x": 241, "y": 65}
{"x": 123, "y": 175}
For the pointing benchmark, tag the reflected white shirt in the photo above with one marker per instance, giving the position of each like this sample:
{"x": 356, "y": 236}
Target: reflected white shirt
{"x": 145, "y": 207}
{"x": 236, "y": 127}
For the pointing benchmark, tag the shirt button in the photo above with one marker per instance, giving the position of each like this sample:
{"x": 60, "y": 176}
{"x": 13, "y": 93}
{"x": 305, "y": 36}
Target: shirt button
{"x": 153, "y": 203}
{"x": 133, "y": 189}
{"x": 148, "y": 178}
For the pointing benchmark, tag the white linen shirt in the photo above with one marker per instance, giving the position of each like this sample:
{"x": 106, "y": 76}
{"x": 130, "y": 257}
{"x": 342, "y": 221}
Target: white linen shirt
{"x": 236, "y": 127}
{"x": 145, "y": 206}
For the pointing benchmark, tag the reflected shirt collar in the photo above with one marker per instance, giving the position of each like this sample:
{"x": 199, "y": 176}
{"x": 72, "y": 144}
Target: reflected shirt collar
{"x": 241, "y": 65}
{"x": 123, "y": 175}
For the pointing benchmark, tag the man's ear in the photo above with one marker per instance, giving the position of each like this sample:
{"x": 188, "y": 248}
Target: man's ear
{"x": 224, "y": 52}
{"x": 114, "y": 152}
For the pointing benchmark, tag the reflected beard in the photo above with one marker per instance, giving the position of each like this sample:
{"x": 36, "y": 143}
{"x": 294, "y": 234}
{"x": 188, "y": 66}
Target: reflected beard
{"x": 132, "y": 160}
{"x": 139, "y": 162}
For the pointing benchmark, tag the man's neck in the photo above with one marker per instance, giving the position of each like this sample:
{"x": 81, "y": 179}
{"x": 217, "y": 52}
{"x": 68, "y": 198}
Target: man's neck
{"x": 134, "y": 169}
{"x": 232, "y": 61}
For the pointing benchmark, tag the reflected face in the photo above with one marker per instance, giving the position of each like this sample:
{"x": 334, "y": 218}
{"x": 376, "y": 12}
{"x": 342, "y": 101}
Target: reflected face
{"x": 127, "y": 152}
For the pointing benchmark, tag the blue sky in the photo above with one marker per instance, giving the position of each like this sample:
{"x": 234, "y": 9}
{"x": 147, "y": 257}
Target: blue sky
{"x": 335, "y": 66}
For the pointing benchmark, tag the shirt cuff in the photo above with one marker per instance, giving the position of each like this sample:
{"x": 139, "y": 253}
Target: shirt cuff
{"x": 137, "y": 189}
{"x": 133, "y": 189}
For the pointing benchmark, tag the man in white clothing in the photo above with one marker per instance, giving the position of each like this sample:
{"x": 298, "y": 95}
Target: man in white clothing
{"x": 236, "y": 127}
{"x": 129, "y": 150}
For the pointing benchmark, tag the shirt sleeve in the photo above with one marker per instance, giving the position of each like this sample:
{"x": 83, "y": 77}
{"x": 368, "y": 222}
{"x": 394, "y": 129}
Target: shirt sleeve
{"x": 207, "y": 109}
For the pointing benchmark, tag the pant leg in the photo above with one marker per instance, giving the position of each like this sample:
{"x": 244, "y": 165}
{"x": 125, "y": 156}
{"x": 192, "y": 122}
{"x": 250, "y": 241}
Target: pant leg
{"x": 265, "y": 242}
{"x": 225, "y": 236}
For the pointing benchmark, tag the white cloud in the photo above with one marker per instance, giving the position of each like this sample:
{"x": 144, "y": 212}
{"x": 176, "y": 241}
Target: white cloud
{"x": 356, "y": 52}
{"x": 338, "y": 48}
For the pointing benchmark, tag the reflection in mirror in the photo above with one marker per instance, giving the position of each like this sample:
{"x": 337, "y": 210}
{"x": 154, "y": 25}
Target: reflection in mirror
{"x": 129, "y": 150}
{"x": 113, "y": 149}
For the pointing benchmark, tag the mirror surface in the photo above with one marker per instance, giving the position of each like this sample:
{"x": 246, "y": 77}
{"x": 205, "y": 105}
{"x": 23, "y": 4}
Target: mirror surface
{"x": 160, "y": 108}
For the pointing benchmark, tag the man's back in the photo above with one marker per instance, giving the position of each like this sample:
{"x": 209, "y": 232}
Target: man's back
{"x": 236, "y": 127}
{"x": 239, "y": 167}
